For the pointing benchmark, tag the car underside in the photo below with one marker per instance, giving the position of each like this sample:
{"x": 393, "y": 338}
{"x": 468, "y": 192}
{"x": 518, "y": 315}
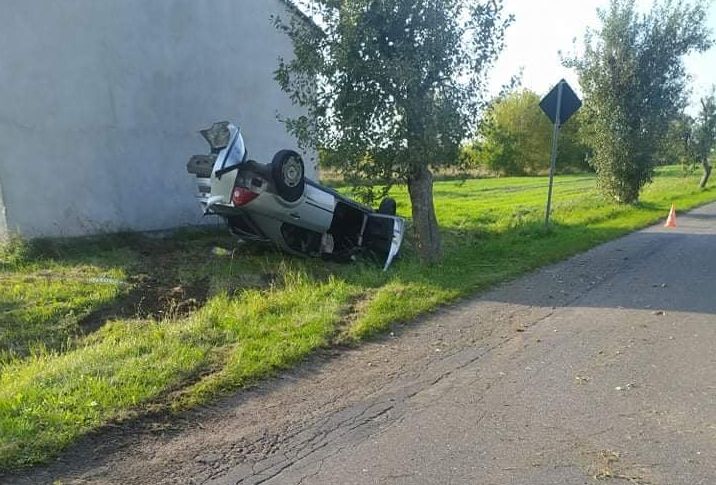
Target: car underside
{"x": 275, "y": 203}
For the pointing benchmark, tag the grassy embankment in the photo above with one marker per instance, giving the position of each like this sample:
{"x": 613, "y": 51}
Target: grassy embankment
{"x": 101, "y": 330}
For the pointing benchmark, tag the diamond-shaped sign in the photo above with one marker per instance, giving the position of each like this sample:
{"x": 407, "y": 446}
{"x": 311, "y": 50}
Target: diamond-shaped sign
{"x": 569, "y": 104}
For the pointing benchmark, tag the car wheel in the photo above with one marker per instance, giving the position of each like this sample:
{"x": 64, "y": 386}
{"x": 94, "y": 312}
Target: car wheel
{"x": 288, "y": 174}
{"x": 388, "y": 207}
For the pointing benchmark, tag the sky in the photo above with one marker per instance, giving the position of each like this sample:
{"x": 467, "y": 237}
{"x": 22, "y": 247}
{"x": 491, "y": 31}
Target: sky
{"x": 544, "y": 27}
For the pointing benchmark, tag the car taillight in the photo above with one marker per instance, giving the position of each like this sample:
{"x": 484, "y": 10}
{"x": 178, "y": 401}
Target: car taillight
{"x": 242, "y": 196}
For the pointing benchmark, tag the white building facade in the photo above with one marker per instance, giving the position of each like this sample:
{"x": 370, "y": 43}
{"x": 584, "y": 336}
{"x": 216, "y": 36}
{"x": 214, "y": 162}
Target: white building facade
{"x": 101, "y": 101}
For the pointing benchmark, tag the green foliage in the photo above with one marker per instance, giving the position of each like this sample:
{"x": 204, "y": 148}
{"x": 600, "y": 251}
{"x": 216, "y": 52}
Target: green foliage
{"x": 674, "y": 148}
{"x": 12, "y": 252}
{"x": 390, "y": 86}
{"x": 517, "y": 135}
{"x": 691, "y": 141}
{"x": 515, "y": 138}
{"x": 703, "y": 138}
{"x": 574, "y": 153}
{"x": 633, "y": 77}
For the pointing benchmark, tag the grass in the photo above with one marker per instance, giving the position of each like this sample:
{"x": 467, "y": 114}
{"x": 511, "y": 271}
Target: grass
{"x": 203, "y": 322}
{"x": 43, "y": 301}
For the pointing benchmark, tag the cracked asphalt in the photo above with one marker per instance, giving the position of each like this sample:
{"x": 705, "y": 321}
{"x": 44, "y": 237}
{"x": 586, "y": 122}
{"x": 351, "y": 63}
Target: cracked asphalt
{"x": 600, "y": 369}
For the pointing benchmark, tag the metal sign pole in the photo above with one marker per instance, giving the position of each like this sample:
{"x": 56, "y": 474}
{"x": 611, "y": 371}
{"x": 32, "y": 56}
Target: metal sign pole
{"x": 553, "y": 162}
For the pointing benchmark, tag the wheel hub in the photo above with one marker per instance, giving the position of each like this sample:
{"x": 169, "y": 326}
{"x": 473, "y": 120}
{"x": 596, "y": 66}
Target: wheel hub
{"x": 292, "y": 172}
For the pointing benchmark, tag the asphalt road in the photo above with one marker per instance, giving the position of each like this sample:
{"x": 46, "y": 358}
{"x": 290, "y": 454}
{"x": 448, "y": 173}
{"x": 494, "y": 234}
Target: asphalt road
{"x": 600, "y": 369}
{"x": 618, "y": 384}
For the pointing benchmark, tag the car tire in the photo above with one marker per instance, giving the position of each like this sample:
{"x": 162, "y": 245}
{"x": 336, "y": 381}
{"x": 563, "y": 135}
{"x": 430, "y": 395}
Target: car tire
{"x": 388, "y": 207}
{"x": 288, "y": 173}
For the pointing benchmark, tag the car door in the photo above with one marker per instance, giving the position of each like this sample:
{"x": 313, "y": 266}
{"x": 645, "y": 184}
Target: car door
{"x": 383, "y": 236}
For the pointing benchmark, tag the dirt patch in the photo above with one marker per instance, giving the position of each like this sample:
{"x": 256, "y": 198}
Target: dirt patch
{"x": 353, "y": 310}
{"x": 150, "y": 298}
{"x": 172, "y": 278}
{"x": 157, "y": 290}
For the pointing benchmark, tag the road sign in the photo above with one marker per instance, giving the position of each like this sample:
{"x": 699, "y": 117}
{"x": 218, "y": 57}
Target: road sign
{"x": 559, "y": 105}
{"x": 569, "y": 103}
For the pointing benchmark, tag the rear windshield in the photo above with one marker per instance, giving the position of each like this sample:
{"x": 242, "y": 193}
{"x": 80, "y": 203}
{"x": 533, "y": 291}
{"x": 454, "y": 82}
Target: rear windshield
{"x": 237, "y": 152}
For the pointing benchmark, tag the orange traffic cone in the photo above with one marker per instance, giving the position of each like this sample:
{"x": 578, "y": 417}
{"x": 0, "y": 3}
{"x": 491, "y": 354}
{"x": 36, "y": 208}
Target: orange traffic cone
{"x": 671, "y": 221}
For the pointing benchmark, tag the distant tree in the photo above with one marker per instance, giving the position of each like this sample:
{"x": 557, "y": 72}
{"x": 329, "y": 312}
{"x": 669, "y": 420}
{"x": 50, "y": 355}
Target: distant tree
{"x": 516, "y": 135}
{"x": 703, "y": 138}
{"x": 675, "y": 146}
{"x": 515, "y": 138}
{"x": 634, "y": 81}
{"x": 574, "y": 153}
{"x": 691, "y": 141}
{"x": 392, "y": 88}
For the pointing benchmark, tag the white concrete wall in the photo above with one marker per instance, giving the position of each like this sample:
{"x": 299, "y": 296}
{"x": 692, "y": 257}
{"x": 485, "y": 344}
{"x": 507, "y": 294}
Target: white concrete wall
{"x": 101, "y": 100}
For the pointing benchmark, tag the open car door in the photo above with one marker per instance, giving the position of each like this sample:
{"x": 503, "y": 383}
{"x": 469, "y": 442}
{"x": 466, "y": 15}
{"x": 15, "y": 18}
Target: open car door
{"x": 383, "y": 236}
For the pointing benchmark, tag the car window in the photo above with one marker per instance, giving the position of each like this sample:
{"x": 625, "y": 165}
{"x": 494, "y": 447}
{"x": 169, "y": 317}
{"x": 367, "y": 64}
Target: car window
{"x": 237, "y": 151}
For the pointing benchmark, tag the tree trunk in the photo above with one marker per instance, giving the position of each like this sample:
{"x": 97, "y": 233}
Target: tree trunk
{"x": 707, "y": 174}
{"x": 427, "y": 234}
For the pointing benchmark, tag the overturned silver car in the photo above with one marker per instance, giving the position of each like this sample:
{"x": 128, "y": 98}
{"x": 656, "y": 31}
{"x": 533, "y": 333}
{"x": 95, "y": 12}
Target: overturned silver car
{"x": 275, "y": 203}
